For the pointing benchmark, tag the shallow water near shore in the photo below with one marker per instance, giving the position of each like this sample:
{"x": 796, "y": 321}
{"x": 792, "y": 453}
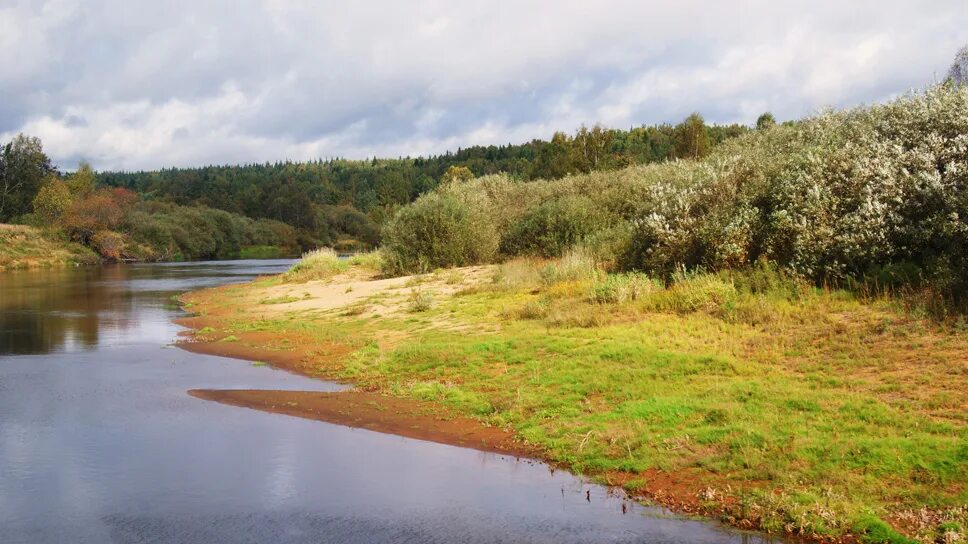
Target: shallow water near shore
{"x": 99, "y": 441}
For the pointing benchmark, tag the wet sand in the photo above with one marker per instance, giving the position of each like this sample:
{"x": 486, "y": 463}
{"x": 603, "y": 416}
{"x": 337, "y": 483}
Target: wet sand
{"x": 375, "y": 412}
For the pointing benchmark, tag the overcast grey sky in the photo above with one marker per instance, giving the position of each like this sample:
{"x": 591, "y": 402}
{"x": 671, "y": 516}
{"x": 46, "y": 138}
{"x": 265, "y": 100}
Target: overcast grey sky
{"x": 146, "y": 84}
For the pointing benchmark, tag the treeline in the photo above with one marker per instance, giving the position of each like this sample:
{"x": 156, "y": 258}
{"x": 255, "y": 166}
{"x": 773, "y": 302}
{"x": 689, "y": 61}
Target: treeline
{"x": 344, "y": 203}
{"x": 117, "y": 223}
{"x": 873, "y": 196}
{"x": 285, "y": 207}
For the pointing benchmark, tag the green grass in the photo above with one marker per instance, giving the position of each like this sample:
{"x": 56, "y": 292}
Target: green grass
{"x": 819, "y": 412}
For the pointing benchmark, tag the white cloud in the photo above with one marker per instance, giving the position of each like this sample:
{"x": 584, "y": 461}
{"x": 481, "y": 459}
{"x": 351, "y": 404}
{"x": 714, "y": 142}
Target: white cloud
{"x": 181, "y": 82}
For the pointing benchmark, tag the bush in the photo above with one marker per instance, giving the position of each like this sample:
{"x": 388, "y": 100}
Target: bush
{"x": 109, "y": 245}
{"x": 553, "y": 227}
{"x": 438, "y": 231}
{"x": 842, "y": 197}
{"x": 318, "y": 264}
{"x": 419, "y": 300}
{"x": 830, "y": 198}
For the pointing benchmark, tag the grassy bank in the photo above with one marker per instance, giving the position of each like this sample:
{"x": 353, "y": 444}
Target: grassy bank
{"x": 747, "y": 395}
{"x": 28, "y": 247}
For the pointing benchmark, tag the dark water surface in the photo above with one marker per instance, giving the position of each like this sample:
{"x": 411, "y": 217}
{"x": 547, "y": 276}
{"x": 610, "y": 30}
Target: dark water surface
{"x": 100, "y": 443}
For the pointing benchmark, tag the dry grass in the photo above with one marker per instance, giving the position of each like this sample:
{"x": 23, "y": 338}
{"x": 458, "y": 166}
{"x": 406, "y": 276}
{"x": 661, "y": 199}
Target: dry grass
{"x": 29, "y": 247}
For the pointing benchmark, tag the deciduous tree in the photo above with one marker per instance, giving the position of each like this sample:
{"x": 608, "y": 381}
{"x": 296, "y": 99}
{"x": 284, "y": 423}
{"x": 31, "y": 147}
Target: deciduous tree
{"x": 23, "y": 169}
{"x": 52, "y": 200}
{"x": 692, "y": 138}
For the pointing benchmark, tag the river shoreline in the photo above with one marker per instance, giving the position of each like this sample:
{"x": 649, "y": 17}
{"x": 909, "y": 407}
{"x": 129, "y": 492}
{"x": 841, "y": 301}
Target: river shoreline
{"x": 377, "y": 411}
{"x": 801, "y": 417}
{"x": 215, "y": 329}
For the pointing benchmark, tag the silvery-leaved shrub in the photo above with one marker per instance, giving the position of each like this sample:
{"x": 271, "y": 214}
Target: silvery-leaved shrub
{"x": 831, "y": 198}
{"x": 879, "y": 191}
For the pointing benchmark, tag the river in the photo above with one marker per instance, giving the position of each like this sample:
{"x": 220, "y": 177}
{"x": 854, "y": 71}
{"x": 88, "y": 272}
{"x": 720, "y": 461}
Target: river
{"x": 99, "y": 441}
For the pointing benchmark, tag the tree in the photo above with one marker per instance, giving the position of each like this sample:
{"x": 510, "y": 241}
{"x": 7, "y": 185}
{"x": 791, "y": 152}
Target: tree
{"x": 82, "y": 182}
{"x": 457, "y": 174}
{"x": 590, "y": 148}
{"x": 765, "y": 121}
{"x": 52, "y": 200}
{"x": 958, "y": 73}
{"x": 23, "y": 169}
{"x": 552, "y": 160}
{"x": 692, "y": 138}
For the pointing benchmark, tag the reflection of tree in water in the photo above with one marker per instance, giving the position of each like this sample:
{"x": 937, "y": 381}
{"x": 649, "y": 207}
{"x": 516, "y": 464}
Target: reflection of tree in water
{"x": 48, "y": 310}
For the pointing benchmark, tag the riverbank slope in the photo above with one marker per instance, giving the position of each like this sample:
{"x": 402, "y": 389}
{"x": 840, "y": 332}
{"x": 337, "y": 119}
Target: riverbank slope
{"x": 28, "y": 247}
{"x": 796, "y": 411}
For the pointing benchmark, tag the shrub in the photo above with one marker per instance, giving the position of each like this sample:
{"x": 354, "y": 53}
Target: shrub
{"x": 553, "y": 227}
{"x": 839, "y": 198}
{"x": 109, "y": 245}
{"x": 318, "y": 264}
{"x": 100, "y": 210}
{"x": 419, "y": 300}
{"x": 438, "y": 231}
{"x": 53, "y": 199}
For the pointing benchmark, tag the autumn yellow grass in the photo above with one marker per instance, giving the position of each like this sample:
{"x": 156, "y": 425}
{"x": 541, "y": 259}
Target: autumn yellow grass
{"x": 28, "y": 247}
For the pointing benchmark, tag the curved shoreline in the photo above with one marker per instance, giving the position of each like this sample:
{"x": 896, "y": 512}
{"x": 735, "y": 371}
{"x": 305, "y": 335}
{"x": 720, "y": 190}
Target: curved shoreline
{"x": 408, "y": 417}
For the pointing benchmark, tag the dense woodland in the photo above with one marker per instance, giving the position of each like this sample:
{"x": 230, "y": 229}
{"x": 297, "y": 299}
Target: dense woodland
{"x": 230, "y": 211}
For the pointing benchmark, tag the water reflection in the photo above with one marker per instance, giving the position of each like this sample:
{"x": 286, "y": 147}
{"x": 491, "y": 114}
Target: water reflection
{"x": 73, "y": 309}
{"x": 99, "y": 442}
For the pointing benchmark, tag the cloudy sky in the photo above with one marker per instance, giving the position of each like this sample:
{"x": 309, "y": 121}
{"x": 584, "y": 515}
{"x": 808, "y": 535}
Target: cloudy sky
{"x": 130, "y": 84}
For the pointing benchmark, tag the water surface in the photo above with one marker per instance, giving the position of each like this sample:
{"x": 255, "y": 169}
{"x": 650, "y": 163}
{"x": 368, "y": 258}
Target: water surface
{"x": 99, "y": 441}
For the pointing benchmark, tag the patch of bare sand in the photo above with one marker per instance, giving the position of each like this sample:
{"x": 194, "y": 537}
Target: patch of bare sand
{"x": 366, "y": 295}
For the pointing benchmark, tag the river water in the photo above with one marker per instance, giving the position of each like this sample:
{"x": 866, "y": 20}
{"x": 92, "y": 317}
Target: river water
{"x": 99, "y": 441}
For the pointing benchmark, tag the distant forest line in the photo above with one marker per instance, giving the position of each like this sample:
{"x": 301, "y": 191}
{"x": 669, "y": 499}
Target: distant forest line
{"x": 282, "y": 208}
{"x": 343, "y": 202}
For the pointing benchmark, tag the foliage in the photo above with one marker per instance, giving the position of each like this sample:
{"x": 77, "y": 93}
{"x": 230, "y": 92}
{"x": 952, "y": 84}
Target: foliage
{"x": 836, "y": 198}
{"x": 182, "y": 232}
{"x": 97, "y": 211}
{"x": 339, "y": 200}
{"x": 52, "y": 200}
{"x": 23, "y": 169}
{"x": 83, "y": 181}
{"x": 765, "y": 121}
{"x": 692, "y": 138}
{"x": 438, "y": 230}
{"x": 108, "y": 244}
{"x": 958, "y": 73}
{"x": 457, "y": 174}
{"x": 553, "y": 227}
{"x": 318, "y": 264}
